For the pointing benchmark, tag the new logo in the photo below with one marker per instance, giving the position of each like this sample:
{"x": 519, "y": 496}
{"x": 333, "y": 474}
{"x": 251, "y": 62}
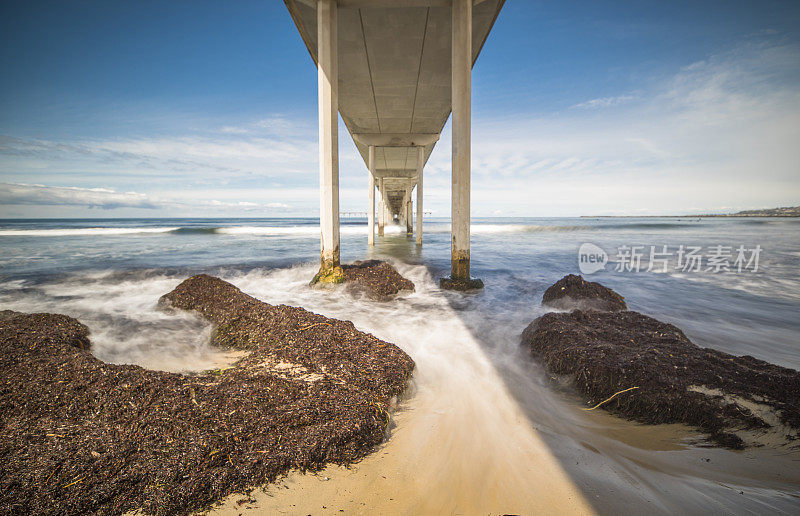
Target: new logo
{"x": 591, "y": 258}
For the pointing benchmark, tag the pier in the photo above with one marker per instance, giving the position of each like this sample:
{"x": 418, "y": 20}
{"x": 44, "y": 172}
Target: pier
{"x": 395, "y": 70}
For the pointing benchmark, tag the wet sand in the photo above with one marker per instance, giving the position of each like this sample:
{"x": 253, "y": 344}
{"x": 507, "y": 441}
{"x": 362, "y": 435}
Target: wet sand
{"x": 483, "y": 434}
{"x": 447, "y": 454}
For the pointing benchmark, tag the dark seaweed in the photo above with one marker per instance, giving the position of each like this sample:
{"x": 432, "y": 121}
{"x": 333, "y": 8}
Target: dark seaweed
{"x": 607, "y": 352}
{"x": 573, "y": 291}
{"x": 379, "y": 280}
{"x": 78, "y": 435}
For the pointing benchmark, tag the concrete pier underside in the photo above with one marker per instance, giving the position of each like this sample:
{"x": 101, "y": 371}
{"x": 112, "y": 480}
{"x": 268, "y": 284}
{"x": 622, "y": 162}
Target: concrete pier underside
{"x": 399, "y": 70}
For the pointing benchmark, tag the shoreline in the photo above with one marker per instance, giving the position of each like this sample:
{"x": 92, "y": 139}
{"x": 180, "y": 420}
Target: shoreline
{"x": 461, "y": 437}
{"x": 721, "y": 216}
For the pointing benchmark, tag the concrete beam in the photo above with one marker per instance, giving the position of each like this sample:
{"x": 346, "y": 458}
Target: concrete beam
{"x": 396, "y": 139}
{"x": 396, "y": 173}
{"x": 359, "y": 4}
{"x": 328, "y": 85}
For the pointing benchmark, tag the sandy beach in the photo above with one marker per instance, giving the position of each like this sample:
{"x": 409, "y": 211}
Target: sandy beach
{"x": 459, "y": 445}
{"x": 483, "y": 428}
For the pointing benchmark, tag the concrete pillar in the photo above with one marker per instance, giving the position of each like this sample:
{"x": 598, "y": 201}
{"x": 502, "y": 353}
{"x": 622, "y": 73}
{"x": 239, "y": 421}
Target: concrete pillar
{"x": 461, "y": 84}
{"x": 371, "y": 212}
{"x": 409, "y": 215}
{"x": 327, "y": 85}
{"x": 401, "y": 215}
{"x": 381, "y": 208}
{"x": 420, "y": 166}
{"x": 388, "y": 216}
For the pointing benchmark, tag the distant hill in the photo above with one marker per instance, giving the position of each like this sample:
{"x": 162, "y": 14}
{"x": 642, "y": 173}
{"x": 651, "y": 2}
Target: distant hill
{"x": 787, "y": 211}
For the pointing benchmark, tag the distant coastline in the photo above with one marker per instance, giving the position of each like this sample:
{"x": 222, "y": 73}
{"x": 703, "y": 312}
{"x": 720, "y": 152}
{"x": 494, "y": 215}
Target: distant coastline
{"x": 787, "y": 211}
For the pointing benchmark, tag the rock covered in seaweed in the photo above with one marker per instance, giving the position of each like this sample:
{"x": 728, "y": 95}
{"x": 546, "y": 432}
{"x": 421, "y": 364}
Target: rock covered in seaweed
{"x": 573, "y": 292}
{"x": 671, "y": 380}
{"x": 318, "y": 343}
{"x": 379, "y": 280}
{"x": 92, "y": 437}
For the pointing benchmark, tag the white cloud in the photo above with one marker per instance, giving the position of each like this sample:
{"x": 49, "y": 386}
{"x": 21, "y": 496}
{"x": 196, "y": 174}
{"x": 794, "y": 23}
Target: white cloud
{"x": 232, "y": 155}
{"x": 722, "y": 132}
{"x": 604, "y": 102}
{"x": 228, "y": 129}
{"x": 22, "y": 194}
{"x": 719, "y": 132}
{"x": 107, "y": 199}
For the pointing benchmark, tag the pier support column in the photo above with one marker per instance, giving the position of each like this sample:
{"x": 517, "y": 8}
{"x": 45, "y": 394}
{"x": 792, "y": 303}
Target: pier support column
{"x": 461, "y": 85}
{"x": 409, "y": 214}
{"x": 420, "y": 166}
{"x": 371, "y": 212}
{"x": 401, "y": 214}
{"x": 381, "y": 208}
{"x": 327, "y": 84}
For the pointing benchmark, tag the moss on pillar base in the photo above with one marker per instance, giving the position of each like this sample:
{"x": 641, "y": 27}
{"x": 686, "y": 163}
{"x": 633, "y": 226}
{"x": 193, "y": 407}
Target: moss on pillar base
{"x": 461, "y": 284}
{"x": 329, "y": 274}
{"x": 459, "y": 273}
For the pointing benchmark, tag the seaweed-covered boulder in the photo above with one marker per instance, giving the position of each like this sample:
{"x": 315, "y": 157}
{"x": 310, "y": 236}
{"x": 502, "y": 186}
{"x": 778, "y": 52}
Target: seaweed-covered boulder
{"x": 320, "y": 344}
{"x": 8, "y": 314}
{"x": 649, "y": 371}
{"x": 573, "y": 292}
{"x": 78, "y": 435}
{"x": 377, "y": 279}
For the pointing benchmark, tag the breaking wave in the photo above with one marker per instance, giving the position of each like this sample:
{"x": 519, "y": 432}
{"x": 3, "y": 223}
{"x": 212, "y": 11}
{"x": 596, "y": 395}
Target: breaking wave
{"x": 83, "y": 231}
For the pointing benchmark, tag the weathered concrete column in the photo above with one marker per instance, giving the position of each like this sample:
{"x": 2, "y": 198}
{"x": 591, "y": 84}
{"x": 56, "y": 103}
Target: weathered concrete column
{"x": 381, "y": 208}
{"x": 327, "y": 85}
{"x": 461, "y": 93}
{"x": 401, "y": 214}
{"x": 409, "y": 215}
{"x": 420, "y": 166}
{"x": 371, "y": 212}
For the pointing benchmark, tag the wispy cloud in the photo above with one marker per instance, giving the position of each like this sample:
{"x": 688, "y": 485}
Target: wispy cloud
{"x": 107, "y": 199}
{"x": 274, "y": 125}
{"x": 262, "y": 150}
{"x": 604, "y": 102}
{"x": 719, "y": 132}
{"x": 22, "y": 194}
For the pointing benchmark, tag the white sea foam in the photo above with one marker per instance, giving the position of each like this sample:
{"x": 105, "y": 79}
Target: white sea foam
{"x": 280, "y": 231}
{"x": 83, "y": 231}
{"x": 126, "y": 327}
{"x": 477, "y": 400}
{"x": 298, "y": 230}
{"x": 522, "y": 228}
{"x": 268, "y": 230}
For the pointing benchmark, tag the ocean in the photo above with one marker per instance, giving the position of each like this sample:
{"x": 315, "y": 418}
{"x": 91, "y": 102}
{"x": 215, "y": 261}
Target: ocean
{"x": 731, "y": 284}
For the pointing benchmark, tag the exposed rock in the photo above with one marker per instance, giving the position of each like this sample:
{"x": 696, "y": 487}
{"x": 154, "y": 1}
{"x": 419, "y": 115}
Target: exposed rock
{"x": 378, "y": 280}
{"x": 8, "y": 314}
{"x": 78, "y": 435}
{"x": 573, "y": 292}
{"x": 295, "y": 335}
{"x": 671, "y": 380}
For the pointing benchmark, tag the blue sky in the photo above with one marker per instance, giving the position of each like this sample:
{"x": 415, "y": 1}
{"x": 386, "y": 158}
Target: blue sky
{"x": 119, "y": 109}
